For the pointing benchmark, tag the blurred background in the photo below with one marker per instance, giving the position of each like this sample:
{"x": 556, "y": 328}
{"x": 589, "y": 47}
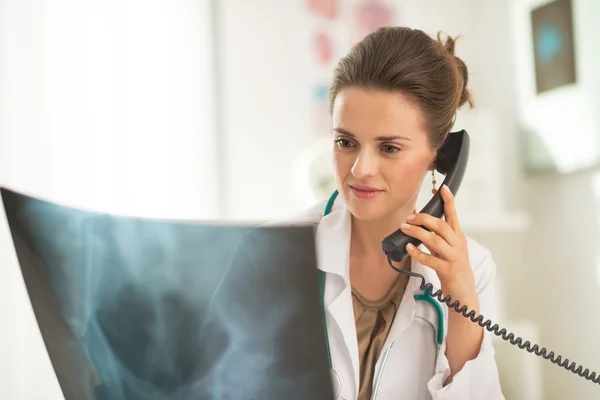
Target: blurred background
{"x": 199, "y": 109}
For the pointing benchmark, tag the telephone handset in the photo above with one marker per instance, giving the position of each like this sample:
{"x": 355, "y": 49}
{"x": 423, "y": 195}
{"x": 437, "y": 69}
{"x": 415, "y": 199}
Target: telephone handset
{"x": 452, "y": 161}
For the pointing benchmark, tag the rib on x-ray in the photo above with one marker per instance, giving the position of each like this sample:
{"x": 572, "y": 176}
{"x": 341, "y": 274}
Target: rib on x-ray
{"x": 133, "y": 308}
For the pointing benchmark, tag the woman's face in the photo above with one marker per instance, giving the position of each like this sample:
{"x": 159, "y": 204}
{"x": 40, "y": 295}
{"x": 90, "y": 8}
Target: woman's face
{"x": 381, "y": 152}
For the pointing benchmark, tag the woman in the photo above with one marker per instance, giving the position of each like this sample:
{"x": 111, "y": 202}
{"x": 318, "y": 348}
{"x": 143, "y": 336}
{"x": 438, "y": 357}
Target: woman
{"x": 393, "y": 100}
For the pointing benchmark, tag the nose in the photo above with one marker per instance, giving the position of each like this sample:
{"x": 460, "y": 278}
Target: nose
{"x": 365, "y": 165}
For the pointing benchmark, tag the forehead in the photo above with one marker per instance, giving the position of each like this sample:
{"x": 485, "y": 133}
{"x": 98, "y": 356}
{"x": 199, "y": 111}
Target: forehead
{"x": 371, "y": 113}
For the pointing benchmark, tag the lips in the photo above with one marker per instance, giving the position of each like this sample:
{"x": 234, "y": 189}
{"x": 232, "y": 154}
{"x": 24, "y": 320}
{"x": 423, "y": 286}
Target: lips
{"x": 365, "y": 192}
{"x": 365, "y": 188}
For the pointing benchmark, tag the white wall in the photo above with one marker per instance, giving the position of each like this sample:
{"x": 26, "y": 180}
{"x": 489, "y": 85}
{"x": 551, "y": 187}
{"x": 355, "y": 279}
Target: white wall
{"x": 265, "y": 103}
{"x": 559, "y": 272}
{"x": 105, "y": 105}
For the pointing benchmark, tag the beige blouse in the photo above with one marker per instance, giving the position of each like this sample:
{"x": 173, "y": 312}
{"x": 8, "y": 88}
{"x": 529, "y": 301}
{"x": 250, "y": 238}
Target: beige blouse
{"x": 373, "y": 322}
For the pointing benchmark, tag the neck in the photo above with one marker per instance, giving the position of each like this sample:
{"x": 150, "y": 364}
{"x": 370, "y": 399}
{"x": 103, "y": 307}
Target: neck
{"x": 370, "y": 274}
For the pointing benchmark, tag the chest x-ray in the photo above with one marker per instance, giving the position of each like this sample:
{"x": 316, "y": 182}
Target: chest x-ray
{"x": 135, "y": 308}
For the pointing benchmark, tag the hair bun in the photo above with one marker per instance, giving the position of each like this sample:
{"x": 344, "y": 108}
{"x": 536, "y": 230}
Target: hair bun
{"x": 449, "y": 47}
{"x": 465, "y": 96}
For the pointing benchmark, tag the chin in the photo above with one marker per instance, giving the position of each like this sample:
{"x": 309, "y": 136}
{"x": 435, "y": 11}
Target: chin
{"x": 367, "y": 210}
{"x": 366, "y": 215}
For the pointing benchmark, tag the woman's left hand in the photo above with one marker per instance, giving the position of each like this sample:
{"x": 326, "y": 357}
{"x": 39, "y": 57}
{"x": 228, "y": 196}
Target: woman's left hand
{"x": 448, "y": 247}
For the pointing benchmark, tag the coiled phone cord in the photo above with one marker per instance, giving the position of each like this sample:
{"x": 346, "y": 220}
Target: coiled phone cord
{"x": 510, "y": 337}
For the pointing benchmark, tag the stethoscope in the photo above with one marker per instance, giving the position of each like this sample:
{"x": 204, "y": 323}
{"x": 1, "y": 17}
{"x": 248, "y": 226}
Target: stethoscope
{"x": 418, "y": 297}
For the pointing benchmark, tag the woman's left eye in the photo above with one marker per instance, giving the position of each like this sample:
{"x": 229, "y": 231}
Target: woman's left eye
{"x": 388, "y": 148}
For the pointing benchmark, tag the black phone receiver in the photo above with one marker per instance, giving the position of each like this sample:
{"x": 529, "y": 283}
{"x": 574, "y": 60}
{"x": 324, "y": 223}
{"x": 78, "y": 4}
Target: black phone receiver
{"x": 452, "y": 162}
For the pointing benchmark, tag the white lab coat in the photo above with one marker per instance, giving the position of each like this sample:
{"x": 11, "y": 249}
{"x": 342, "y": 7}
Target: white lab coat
{"x": 412, "y": 365}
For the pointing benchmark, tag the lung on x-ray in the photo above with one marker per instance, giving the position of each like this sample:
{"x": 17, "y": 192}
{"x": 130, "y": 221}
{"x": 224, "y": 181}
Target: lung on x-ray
{"x": 133, "y": 308}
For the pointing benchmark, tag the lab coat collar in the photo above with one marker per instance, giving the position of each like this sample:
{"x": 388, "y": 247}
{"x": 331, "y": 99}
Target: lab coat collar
{"x": 333, "y": 241}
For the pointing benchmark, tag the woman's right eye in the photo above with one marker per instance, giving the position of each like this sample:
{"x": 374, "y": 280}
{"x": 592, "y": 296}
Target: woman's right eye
{"x": 344, "y": 144}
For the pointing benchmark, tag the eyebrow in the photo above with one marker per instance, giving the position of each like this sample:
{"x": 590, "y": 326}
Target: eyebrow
{"x": 381, "y": 138}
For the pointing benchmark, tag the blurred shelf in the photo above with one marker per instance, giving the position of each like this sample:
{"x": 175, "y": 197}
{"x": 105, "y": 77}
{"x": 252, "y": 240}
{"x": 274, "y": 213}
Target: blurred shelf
{"x": 494, "y": 221}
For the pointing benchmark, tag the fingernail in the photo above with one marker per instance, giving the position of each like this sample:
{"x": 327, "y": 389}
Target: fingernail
{"x": 404, "y": 226}
{"x": 446, "y": 188}
{"x": 410, "y": 217}
{"x": 410, "y": 246}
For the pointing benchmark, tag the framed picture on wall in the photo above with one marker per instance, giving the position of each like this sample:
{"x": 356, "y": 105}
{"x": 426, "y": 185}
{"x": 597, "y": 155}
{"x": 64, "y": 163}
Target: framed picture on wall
{"x": 553, "y": 45}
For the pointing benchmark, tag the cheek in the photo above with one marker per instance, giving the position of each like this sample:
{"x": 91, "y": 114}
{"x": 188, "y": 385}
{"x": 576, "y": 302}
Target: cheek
{"x": 408, "y": 174}
{"x": 342, "y": 163}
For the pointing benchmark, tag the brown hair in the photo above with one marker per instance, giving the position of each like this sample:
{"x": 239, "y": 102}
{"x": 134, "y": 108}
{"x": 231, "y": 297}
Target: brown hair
{"x": 408, "y": 61}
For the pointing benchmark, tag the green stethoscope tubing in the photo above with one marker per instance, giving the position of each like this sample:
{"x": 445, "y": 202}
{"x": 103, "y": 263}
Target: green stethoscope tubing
{"x": 418, "y": 297}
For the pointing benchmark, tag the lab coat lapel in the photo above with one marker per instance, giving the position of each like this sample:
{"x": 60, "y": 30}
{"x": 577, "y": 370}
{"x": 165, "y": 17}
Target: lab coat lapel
{"x": 333, "y": 249}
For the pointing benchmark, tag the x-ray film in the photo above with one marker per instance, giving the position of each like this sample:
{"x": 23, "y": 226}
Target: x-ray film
{"x": 142, "y": 309}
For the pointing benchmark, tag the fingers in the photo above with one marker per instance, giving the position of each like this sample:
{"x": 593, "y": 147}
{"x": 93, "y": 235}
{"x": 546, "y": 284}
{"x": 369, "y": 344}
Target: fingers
{"x": 438, "y": 226}
{"x": 437, "y": 264}
{"x": 450, "y": 209}
{"x": 433, "y": 242}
